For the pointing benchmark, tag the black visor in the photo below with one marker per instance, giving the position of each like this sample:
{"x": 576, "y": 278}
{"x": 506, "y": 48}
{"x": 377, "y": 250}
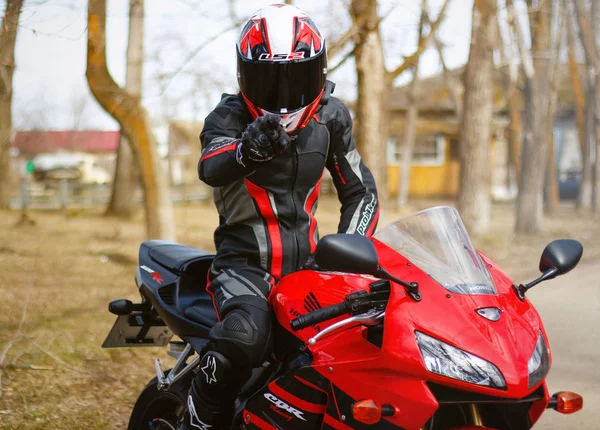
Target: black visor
{"x": 275, "y": 85}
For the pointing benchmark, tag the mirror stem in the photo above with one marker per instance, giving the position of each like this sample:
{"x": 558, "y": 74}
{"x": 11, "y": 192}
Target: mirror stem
{"x": 522, "y": 289}
{"x": 412, "y": 289}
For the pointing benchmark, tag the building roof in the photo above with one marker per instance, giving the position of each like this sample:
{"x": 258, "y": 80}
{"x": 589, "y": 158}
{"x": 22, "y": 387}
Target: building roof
{"x": 435, "y": 98}
{"x": 35, "y": 142}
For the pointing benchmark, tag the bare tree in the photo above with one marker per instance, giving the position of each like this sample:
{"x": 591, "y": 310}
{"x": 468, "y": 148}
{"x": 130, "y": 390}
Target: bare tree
{"x": 552, "y": 189}
{"x": 596, "y": 158}
{"x": 410, "y": 123}
{"x": 454, "y": 85}
{"x": 575, "y": 78}
{"x": 510, "y": 68}
{"x": 474, "y": 195}
{"x": 125, "y": 181}
{"x": 133, "y": 119}
{"x": 8, "y": 38}
{"x": 375, "y": 84}
{"x": 536, "y": 71}
{"x": 588, "y": 194}
{"x": 370, "y": 71}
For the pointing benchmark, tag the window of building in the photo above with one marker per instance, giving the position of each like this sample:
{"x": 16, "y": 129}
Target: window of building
{"x": 429, "y": 150}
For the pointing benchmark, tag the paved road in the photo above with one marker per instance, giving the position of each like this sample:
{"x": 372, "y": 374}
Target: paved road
{"x": 570, "y": 308}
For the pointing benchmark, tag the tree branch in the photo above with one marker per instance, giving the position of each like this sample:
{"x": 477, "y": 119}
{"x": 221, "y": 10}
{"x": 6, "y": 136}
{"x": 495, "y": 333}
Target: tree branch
{"x": 587, "y": 35}
{"x": 195, "y": 52}
{"x": 524, "y": 53}
{"x": 342, "y": 61}
{"x": 411, "y": 59}
{"x": 338, "y": 45}
{"x": 453, "y": 85}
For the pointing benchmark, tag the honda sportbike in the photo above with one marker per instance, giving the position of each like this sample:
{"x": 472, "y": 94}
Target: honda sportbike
{"x": 411, "y": 329}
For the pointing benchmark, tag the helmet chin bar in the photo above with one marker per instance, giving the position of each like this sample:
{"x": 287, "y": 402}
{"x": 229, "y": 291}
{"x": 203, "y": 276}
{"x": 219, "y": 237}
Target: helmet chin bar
{"x": 290, "y": 121}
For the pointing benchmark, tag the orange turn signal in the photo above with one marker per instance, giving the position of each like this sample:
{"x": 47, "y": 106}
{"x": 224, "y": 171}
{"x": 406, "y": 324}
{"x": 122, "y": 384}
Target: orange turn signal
{"x": 367, "y": 412}
{"x": 568, "y": 402}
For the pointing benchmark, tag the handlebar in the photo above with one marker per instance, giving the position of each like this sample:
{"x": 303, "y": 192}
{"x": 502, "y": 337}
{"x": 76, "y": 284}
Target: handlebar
{"x": 319, "y": 316}
{"x": 355, "y": 303}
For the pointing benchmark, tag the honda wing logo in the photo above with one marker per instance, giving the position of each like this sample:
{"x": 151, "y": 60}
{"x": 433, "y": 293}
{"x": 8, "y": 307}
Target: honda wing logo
{"x": 282, "y": 405}
{"x": 311, "y": 303}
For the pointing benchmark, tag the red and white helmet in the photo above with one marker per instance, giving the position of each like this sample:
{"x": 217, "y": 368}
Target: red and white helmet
{"x": 282, "y": 65}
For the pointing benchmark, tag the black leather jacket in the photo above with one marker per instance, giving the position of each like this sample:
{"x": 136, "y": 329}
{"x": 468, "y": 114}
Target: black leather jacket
{"x": 267, "y": 215}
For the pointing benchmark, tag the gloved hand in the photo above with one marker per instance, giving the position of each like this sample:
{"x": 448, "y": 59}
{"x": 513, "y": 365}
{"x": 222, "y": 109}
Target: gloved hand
{"x": 310, "y": 263}
{"x": 262, "y": 140}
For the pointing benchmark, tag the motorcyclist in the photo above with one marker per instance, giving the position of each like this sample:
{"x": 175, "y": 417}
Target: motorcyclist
{"x": 264, "y": 152}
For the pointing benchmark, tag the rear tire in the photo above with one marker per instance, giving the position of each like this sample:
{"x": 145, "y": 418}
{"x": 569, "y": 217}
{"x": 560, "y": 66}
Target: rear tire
{"x": 168, "y": 407}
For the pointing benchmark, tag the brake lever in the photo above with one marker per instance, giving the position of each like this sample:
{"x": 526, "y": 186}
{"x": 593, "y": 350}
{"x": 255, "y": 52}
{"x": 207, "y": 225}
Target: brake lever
{"x": 370, "y": 318}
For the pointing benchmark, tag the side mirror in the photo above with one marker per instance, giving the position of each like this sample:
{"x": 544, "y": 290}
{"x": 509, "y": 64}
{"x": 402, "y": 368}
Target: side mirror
{"x": 350, "y": 253}
{"x": 559, "y": 257}
{"x": 563, "y": 255}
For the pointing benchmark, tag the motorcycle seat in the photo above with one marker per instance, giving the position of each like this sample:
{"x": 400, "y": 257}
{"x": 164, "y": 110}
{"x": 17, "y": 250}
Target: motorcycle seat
{"x": 173, "y": 256}
{"x": 202, "y": 311}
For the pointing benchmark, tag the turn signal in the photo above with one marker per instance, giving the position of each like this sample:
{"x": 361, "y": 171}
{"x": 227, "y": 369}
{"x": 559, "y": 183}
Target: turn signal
{"x": 568, "y": 402}
{"x": 367, "y": 412}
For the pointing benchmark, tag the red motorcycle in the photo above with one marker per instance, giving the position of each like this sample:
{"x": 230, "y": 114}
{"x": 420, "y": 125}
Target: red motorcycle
{"x": 413, "y": 329}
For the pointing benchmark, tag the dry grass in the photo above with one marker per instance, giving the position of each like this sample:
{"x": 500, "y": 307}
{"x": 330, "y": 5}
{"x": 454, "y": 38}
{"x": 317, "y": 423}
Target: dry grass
{"x": 58, "y": 274}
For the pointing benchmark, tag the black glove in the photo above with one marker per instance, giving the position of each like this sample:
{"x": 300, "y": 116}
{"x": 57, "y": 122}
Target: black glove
{"x": 262, "y": 140}
{"x": 310, "y": 263}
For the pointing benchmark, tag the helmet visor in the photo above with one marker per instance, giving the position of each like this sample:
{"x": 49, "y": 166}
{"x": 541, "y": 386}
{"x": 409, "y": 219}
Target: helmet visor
{"x": 273, "y": 85}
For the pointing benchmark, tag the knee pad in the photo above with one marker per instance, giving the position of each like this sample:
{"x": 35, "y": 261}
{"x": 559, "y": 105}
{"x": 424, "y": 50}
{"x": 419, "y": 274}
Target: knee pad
{"x": 245, "y": 330}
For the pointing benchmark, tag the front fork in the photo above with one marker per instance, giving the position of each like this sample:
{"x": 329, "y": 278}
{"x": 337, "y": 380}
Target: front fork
{"x": 475, "y": 415}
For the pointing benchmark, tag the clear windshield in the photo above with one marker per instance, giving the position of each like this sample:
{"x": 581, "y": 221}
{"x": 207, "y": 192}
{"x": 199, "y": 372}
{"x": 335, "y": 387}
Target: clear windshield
{"x": 437, "y": 242}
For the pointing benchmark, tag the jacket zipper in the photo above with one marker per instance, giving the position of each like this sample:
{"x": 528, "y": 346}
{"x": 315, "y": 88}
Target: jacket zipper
{"x": 294, "y": 227}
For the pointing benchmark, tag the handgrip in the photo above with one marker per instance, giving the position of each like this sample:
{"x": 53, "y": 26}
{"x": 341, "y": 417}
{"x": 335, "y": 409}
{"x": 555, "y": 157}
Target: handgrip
{"x": 319, "y": 316}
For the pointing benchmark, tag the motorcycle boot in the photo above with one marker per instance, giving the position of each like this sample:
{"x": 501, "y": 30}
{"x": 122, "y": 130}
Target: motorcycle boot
{"x": 212, "y": 394}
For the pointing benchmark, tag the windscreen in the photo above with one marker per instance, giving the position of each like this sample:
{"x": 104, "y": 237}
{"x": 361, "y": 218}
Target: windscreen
{"x": 436, "y": 241}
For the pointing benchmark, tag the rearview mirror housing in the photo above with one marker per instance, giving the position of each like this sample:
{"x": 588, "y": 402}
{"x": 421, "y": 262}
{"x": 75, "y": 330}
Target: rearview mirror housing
{"x": 350, "y": 253}
{"x": 559, "y": 257}
{"x": 563, "y": 255}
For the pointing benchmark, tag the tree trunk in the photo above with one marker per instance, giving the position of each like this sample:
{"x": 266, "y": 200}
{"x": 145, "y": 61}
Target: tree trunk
{"x": 135, "y": 124}
{"x": 595, "y": 153}
{"x": 474, "y": 196}
{"x": 552, "y": 191}
{"x": 576, "y": 82}
{"x": 537, "y": 89}
{"x": 453, "y": 84}
{"x": 370, "y": 69}
{"x": 410, "y": 126}
{"x": 584, "y": 199}
{"x": 125, "y": 181}
{"x": 8, "y": 38}
{"x": 591, "y": 54}
{"x": 515, "y": 135}
{"x": 509, "y": 84}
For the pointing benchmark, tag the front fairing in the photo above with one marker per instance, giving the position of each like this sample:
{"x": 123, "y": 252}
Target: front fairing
{"x": 452, "y": 318}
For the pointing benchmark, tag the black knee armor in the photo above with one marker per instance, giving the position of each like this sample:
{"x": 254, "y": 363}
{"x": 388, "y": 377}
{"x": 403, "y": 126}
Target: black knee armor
{"x": 238, "y": 343}
{"x": 244, "y": 334}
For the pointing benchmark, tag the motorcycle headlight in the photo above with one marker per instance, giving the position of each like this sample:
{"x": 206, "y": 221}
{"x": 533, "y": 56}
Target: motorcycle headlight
{"x": 539, "y": 363}
{"x": 446, "y": 360}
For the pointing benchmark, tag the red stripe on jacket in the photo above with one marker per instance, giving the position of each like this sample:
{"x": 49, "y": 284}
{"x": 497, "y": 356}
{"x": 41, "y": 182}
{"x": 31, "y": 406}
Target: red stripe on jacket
{"x": 219, "y": 151}
{"x": 374, "y": 221}
{"x": 261, "y": 198}
{"x": 310, "y": 201}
